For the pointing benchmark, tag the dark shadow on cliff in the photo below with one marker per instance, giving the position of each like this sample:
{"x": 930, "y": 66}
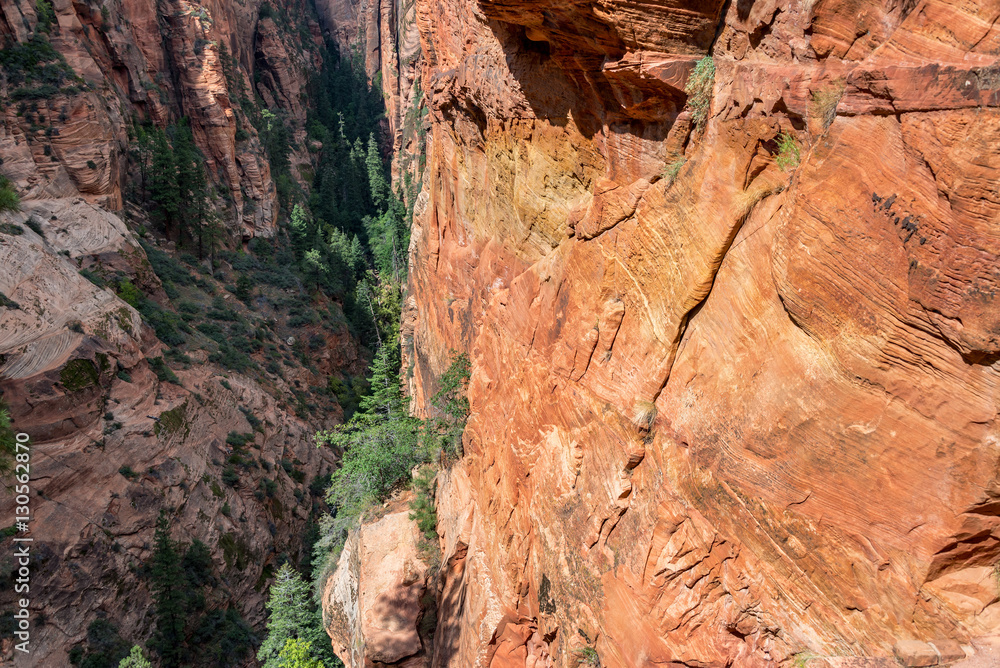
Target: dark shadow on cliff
{"x": 451, "y": 607}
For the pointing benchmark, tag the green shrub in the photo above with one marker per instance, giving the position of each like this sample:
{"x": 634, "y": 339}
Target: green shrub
{"x": 699, "y": 89}
{"x": 127, "y": 471}
{"x": 173, "y": 420}
{"x": 124, "y": 375}
{"x": 130, "y": 294}
{"x": 45, "y": 14}
{"x": 78, "y": 374}
{"x": 163, "y": 373}
{"x": 7, "y": 302}
{"x": 11, "y": 229}
{"x": 238, "y": 440}
{"x": 166, "y": 267}
{"x": 788, "y": 151}
{"x": 35, "y": 70}
{"x": 230, "y": 358}
{"x": 166, "y": 324}
{"x": 93, "y": 278}
{"x": 672, "y": 169}
{"x": 587, "y": 656}
{"x": 9, "y": 201}
{"x": 230, "y": 476}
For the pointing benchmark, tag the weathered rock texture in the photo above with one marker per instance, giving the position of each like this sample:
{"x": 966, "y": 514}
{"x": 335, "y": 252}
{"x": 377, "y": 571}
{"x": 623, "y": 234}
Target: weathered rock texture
{"x": 734, "y": 416}
{"x": 378, "y": 598}
{"x": 156, "y": 61}
{"x": 113, "y": 445}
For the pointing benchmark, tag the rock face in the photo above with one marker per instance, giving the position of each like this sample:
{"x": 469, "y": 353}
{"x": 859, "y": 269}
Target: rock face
{"x": 729, "y": 412}
{"x": 149, "y": 61}
{"x": 113, "y": 445}
{"x": 378, "y": 595}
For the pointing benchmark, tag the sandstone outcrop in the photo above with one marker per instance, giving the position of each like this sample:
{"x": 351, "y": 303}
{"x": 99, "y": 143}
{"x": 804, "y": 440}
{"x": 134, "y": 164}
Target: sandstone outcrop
{"x": 380, "y": 592}
{"x": 113, "y": 444}
{"x": 144, "y": 61}
{"x": 741, "y": 414}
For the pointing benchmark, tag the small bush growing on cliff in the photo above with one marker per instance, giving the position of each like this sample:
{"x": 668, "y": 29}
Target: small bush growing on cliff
{"x": 672, "y": 169}
{"x": 9, "y": 201}
{"x": 445, "y": 431}
{"x": 135, "y": 659}
{"x": 699, "y": 90}
{"x": 788, "y": 151}
{"x": 46, "y": 15}
{"x": 587, "y": 656}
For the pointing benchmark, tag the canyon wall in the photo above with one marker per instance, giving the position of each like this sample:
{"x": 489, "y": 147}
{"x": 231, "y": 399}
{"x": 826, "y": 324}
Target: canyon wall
{"x": 734, "y": 382}
{"x": 117, "y": 437}
{"x": 125, "y": 63}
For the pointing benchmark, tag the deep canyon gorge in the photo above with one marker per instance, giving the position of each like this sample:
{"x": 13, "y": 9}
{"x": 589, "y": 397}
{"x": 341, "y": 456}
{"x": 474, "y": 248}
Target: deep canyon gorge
{"x": 724, "y": 272}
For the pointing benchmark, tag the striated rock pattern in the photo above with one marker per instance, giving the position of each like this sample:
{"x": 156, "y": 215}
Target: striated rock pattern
{"x": 149, "y": 61}
{"x": 112, "y": 444}
{"x": 734, "y": 389}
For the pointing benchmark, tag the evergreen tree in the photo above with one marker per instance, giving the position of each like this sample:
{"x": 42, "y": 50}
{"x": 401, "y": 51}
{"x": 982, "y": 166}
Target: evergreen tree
{"x": 380, "y": 191}
{"x": 299, "y": 224}
{"x": 297, "y": 654}
{"x": 314, "y": 267}
{"x": 163, "y": 188}
{"x": 135, "y": 659}
{"x": 380, "y": 442}
{"x": 192, "y": 185}
{"x": 142, "y": 152}
{"x": 293, "y": 615}
{"x": 168, "y": 586}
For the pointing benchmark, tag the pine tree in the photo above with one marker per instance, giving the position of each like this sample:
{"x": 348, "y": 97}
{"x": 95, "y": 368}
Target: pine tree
{"x": 380, "y": 191}
{"x": 169, "y": 596}
{"x": 135, "y": 659}
{"x": 163, "y": 188}
{"x": 314, "y": 267}
{"x": 299, "y": 225}
{"x": 380, "y": 442}
{"x": 192, "y": 185}
{"x": 142, "y": 152}
{"x": 297, "y": 654}
{"x": 293, "y": 616}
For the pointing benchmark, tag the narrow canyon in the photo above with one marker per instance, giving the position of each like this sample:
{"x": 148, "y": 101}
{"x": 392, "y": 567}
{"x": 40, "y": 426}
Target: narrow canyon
{"x": 719, "y": 275}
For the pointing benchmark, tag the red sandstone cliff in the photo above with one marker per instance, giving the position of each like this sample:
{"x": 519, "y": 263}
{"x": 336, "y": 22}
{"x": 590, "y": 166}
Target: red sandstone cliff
{"x": 728, "y": 418}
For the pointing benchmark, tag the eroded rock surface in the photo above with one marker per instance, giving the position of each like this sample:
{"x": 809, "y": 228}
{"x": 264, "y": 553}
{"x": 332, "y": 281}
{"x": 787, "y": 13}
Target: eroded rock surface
{"x": 738, "y": 416}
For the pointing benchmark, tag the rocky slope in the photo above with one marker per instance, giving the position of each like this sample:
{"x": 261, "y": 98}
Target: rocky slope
{"x": 139, "y": 61}
{"x": 116, "y": 438}
{"x": 724, "y": 412}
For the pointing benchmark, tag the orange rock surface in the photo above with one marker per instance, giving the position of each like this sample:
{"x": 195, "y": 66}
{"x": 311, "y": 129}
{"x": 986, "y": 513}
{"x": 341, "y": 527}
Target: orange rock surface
{"x": 735, "y": 416}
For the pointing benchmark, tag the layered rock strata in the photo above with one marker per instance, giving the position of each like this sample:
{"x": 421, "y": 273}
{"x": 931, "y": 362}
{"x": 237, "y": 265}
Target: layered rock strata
{"x": 734, "y": 388}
